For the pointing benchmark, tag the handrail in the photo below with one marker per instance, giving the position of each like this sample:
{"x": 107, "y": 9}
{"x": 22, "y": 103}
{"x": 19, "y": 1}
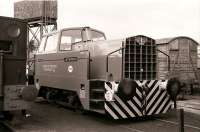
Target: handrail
{"x": 123, "y": 48}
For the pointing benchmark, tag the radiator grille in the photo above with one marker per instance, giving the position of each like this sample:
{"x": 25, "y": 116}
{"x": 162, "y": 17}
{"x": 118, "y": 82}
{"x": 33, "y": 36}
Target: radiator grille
{"x": 140, "y": 58}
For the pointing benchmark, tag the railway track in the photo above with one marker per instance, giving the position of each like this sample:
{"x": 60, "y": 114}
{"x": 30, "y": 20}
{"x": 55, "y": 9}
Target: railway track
{"x": 192, "y": 106}
{"x": 133, "y": 128}
{"x": 165, "y": 123}
{"x": 177, "y": 123}
{"x": 48, "y": 121}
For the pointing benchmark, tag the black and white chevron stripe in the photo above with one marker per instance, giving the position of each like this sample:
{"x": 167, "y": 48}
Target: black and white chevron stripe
{"x": 156, "y": 101}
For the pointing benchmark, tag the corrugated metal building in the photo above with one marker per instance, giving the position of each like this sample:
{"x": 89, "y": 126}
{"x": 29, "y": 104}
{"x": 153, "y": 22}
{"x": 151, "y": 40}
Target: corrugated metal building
{"x": 182, "y": 52}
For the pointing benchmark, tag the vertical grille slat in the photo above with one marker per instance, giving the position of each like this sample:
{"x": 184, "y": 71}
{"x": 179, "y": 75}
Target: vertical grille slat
{"x": 140, "y": 58}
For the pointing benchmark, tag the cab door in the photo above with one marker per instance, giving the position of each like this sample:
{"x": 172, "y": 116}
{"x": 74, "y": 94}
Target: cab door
{"x": 67, "y": 68}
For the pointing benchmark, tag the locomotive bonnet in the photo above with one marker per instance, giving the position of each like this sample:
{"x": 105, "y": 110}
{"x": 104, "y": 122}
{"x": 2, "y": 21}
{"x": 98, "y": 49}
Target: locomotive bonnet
{"x": 78, "y": 67}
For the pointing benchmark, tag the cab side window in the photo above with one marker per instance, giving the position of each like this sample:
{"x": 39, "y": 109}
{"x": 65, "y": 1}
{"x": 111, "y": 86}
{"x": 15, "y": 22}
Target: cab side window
{"x": 68, "y": 38}
{"x": 97, "y": 36}
{"x": 51, "y": 43}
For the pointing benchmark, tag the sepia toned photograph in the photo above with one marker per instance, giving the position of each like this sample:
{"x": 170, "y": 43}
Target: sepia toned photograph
{"x": 99, "y": 66}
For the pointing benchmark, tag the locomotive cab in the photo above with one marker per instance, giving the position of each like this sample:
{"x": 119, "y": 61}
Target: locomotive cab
{"x": 79, "y": 68}
{"x": 66, "y": 38}
{"x": 14, "y": 93}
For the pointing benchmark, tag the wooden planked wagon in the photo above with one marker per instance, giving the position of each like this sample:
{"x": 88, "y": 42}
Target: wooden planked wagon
{"x": 182, "y": 52}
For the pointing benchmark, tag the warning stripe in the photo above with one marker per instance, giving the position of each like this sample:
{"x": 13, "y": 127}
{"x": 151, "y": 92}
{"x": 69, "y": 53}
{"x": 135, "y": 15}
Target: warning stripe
{"x": 137, "y": 101}
{"x": 151, "y": 83}
{"x": 162, "y": 105}
{"x": 113, "y": 104}
{"x": 144, "y": 82}
{"x": 154, "y": 82}
{"x": 122, "y": 108}
{"x": 157, "y": 100}
{"x": 161, "y": 102}
{"x": 138, "y": 83}
{"x": 153, "y": 99}
{"x": 111, "y": 112}
{"x": 168, "y": 102}
{"x": 138, "y": 93}
{"x": 167, "y": 107}
{"x": 154, "y": 88}
{"x": 135, "y": 108}
{"x": 123, "y": 105}
{"x": 118, "y": 109}
{"x": 154, "y": 102}
{"x": 107, "y": 87}
{"x": 157, "y": 103}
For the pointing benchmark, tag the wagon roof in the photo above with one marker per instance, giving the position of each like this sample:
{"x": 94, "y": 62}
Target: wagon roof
{"x": 169, "y": 40}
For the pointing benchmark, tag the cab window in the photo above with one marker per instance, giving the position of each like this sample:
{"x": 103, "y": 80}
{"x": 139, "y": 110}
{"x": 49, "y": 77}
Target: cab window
{"x": 70, "y": 37}
{"x": 51, "y": 43}
{"x": 42, "y": 44}
{"x": 97, "y": 36}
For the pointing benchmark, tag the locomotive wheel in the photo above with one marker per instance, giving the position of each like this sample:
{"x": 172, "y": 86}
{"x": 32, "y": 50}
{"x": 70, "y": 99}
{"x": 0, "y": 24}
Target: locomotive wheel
{"x": 127, "y": 89}
{"x": 173, "y": 88}
{"x": 49, "y": 97}
{"x": 76, "y": 103}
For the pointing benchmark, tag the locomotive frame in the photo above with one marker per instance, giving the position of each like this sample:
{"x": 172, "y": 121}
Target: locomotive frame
{"x": 102, "y": 76}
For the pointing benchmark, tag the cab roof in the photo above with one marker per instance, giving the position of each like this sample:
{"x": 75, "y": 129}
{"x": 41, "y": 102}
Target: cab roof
{"x": 78, "y": 28}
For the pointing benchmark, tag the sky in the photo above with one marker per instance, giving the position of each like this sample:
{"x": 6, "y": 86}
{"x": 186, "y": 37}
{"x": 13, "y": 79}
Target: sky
{"x": 123, "y": 18}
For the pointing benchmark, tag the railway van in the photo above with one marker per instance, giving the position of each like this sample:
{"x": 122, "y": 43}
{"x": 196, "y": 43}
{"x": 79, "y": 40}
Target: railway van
{"x": 79, "y": 68}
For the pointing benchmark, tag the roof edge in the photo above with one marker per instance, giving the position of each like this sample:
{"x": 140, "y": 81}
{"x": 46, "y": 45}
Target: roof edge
{"x": 169, "y": 40}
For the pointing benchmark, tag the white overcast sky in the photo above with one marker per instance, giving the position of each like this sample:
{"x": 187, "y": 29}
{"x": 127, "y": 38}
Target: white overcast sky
{"x": 122, "y": 18}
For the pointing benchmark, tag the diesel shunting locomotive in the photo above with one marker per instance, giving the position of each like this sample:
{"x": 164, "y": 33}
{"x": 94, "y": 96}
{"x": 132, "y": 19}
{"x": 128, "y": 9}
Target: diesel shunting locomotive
{"x": 78, "y": 67}
{"x": 14, "y": 93}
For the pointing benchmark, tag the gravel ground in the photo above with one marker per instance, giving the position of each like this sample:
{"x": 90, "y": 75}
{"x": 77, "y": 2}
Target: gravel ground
{"x": 53, "y": 118}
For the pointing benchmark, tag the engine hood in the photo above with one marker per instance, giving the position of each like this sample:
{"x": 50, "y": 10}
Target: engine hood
{"x": 102, "y": 48}
{"x": 103, "y": 61}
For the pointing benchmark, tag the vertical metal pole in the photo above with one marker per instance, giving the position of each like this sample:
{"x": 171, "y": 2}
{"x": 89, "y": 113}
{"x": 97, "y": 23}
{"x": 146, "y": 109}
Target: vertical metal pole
{"x": 175, "y": 106}
{"x": 123, "y": 60}
{"x": 1, "y": 75}
{"x": 129, "y": 58}
{"x": 135, "y": 60}
{"x": 1, "y": 82}
{"x": 41, "y": 31}
{"x": 181, "y": 120}
{"x": 27, "y": 55}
